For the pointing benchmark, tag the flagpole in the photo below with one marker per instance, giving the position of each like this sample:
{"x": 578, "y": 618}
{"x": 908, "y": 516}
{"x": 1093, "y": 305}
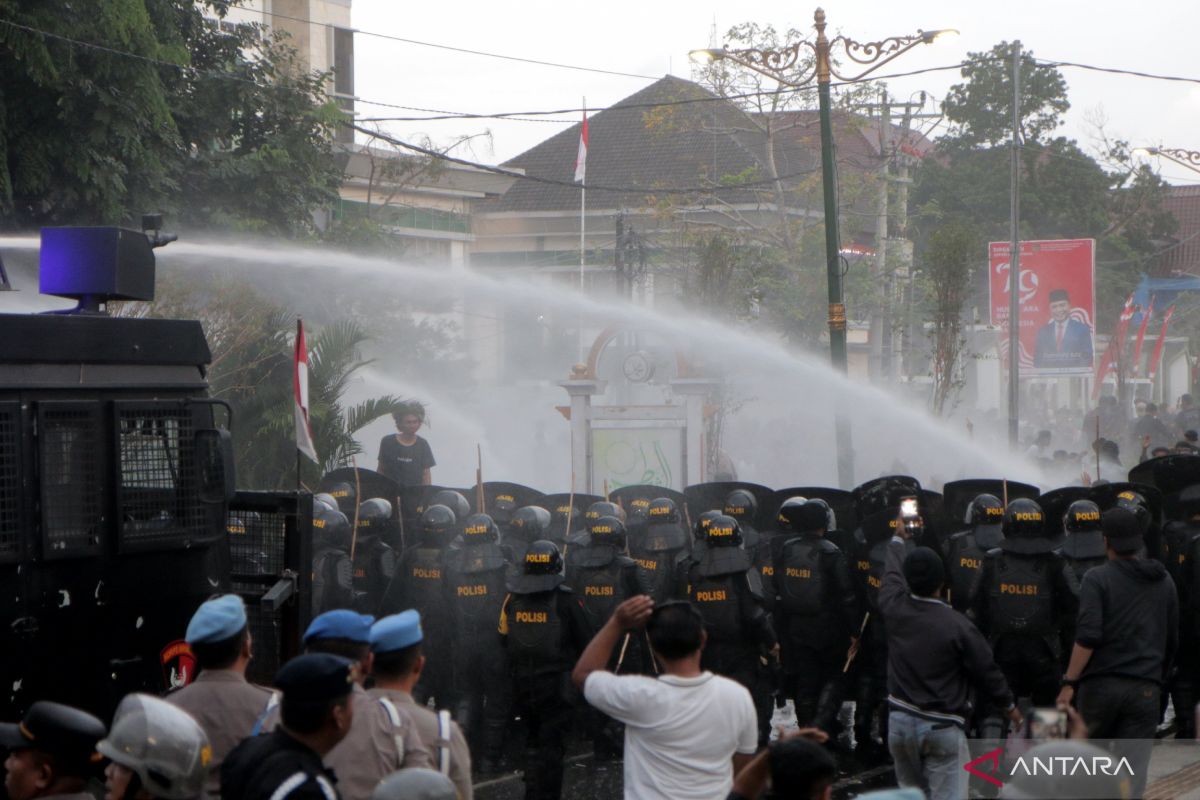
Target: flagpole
{"x": 582, "y": 234}
{"x": 299, "y": 484}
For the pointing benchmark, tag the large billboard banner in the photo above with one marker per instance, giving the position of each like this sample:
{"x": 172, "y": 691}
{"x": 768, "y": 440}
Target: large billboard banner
{"x": 1057, "y": 293}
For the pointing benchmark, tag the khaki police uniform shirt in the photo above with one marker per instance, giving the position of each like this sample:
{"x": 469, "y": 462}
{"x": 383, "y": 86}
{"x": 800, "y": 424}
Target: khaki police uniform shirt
{"x": 370, "y": 752}
{"x": 227, "y": 706}
{"x": 426, "y": 720}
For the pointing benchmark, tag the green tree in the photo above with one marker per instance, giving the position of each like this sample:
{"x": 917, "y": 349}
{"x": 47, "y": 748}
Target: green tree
{"x": 110, "y": 109}
{"x": 1066, "y": 192}
{"x": 949, "y": 256}
{"x": 251, "y": 342}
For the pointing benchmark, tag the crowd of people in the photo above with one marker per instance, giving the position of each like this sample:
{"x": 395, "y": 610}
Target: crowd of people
{"x": 669, "y": 644}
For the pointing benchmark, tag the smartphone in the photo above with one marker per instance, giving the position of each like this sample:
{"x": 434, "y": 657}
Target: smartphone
{"x": 908, "y": 508}
{"x": 1046, "y": 723}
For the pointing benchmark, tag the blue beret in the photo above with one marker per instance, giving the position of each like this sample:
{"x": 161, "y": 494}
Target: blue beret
{"x": 341, "y": 623}
{"x": 316, "y": 677}
{"x": 217, "y": 620}
{"x": 396, "y": 632}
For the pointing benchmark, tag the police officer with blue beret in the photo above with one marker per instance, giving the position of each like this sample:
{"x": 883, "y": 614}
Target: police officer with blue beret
{"x": 225, "y": 704}
{"x": 397, "y": 664}
{"x": 316, "y": 713}
{"x": 383, "y": 737}
{"x": 52, "y": 752}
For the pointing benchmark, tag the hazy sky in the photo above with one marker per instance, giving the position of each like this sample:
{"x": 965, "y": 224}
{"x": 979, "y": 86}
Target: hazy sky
{"x": 652, "y": 37}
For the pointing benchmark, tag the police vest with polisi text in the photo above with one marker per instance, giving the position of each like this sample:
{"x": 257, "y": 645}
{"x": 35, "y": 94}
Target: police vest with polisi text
{"x": 1021, "y": 594}
{"x": 536, "y": 630}
{"x": 799, "y": 577}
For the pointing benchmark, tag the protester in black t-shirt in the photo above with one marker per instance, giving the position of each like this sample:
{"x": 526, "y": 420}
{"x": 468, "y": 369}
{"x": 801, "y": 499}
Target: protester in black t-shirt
{"x": 404, "y": 456}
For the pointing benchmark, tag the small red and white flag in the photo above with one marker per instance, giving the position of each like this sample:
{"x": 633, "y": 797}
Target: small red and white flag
{"x": 304, "y": 437}
{"x": 1156, "y": 356}
{"x": 581, "y": 156}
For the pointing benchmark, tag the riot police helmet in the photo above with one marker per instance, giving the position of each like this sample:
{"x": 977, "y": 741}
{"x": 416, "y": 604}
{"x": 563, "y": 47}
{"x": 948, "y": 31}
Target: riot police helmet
{"x": 741, "y": 505}
{"x": 1082, "y": 516}
{"x": 609, "y": 531}
{"x": 452, "y": 500}
{"x": 807, "y": 517}
{"x": 662, "y": 511}
{"x": 346, "y": 498}
{"x": 603, "y": 508}
{"x": 1024, "y": 529}
{"x": 723, "y": 531}
{"x": 437, "y": 525}
{"x": 542, "y": 558}
{"x": 1023, "y": 519}
{"x": 703, "y": 521}
{"x": 830, "y": 516}
{"x": 415, "y": 783}
{"x": 325, "y": 499}
{"x": 1135, "y": 503}
{"x": 331, "y": 529}
{"x": 530, "y": 523}
{"x": 985, "y": 509}
{"x": 374, "y": 513}
{"x": 664, "y": 529}
{"x": 785, "y": 510}
{"x": 161, "y": 744}
{"x": 480, "y": 529}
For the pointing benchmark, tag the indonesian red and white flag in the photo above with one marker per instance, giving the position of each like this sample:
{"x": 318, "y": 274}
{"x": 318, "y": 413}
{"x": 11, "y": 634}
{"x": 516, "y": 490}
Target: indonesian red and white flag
{"x": 1156, "y": 356}
{"x": 1141, "y": 338}
{"x": 581, "y": 156}
{"x": 1116, "y": 347}
{"x": 304, "y": 437}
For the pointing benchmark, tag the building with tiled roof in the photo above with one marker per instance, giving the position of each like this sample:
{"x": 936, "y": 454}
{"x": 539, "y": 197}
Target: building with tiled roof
{"x": 1183, "y": 256}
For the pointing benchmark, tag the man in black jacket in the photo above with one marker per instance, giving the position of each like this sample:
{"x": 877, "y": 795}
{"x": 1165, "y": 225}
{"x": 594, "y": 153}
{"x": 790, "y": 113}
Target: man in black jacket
{"x": 1125, "y": 640}
{"x": 935, "y": 657}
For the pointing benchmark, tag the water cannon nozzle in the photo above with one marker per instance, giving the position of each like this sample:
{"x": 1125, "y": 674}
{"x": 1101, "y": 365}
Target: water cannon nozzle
{"x": 152, "y": 227}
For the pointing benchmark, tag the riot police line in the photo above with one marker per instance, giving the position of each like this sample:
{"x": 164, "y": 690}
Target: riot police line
{"x": 786, "y": 581}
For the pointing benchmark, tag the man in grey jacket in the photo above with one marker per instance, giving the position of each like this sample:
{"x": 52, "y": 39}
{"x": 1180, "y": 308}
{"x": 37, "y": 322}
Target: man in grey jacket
{"x": 935, "y": 657}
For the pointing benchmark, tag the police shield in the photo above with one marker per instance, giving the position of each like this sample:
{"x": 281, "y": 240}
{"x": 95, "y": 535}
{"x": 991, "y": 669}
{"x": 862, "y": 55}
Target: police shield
{"x": 559, "y": 505}
{"x": 703, "y": 497}
{"x": 884, "y": 493}
{"x": 501, "y": 499}
{"x": 840, "y": 500}
{"x": 368, "y": 484}
{"x": 1055, "y": 503}
{"x": 959, "y": 494}
{"x": 1177, "y": 477}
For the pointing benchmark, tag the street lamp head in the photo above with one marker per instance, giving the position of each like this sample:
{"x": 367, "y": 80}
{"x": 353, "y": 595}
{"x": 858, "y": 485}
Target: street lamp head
{"x": 929, "y": 37}
{"x": 707, "y": 55}
{"x": 1145, "y": 151}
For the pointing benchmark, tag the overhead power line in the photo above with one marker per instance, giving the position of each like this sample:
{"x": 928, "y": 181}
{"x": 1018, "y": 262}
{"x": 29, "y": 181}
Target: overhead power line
{"x": 389, "y": 37}
{"x": 1115, "y": 71}
{"x": 711, "y": 189}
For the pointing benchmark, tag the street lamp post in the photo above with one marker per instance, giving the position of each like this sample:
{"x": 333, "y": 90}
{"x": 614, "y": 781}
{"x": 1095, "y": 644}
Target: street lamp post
{"x": 778, "y": 65}
{"x": 1184, "y": 158}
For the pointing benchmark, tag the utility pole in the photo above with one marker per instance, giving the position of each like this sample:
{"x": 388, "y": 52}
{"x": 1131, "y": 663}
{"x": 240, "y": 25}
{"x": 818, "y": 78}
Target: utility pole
{"x": 875, "y": 335}
{"x": 619, "y": 255}
{"x": 892, "y": 351}
{"x": 1014, "y": 259}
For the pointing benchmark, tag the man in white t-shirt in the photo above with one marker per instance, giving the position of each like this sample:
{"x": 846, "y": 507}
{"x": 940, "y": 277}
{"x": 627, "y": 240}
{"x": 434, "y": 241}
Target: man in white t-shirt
{"x": 687, "y": 731}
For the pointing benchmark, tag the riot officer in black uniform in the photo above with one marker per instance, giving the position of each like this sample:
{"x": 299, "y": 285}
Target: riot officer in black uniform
{"x": 1082, "y": 549}
{"x": 332, "y": 572}
{"x": 603, "y": 577}
{"x": 528, "y": 524}
{"x": 659, "y": 547}
{"x": 544, "y": 631}
{"x": 374, "y": 558}
{"x": 868, "y": 673}
{"x": 346, "y": 498}
{"x": 727, "y": 589}
{"x": 1181, "y": 540}
{"x": 1021, "y": 602}
{"x": 420, "y": 583}
{"x": 598, "y": 509}
{"x": 816, "y": 613}
{"x": 475, "y": 591}
{"x": 965, "y": 550}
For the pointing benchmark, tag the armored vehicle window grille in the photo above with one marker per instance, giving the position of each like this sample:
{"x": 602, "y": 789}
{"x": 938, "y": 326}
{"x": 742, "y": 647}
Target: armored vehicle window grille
{"x": 256, "y": 548}
{"x": 10, "y": 484}
{"x": 71, "y": 479}
{"x": 157, "y": 497}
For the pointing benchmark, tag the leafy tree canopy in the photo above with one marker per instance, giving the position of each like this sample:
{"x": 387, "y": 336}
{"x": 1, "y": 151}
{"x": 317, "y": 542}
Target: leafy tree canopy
{"x": 111, "y": 109}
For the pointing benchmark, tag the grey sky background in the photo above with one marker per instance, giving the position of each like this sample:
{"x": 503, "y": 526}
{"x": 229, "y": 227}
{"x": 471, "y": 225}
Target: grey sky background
{"x": 653, "y": 37}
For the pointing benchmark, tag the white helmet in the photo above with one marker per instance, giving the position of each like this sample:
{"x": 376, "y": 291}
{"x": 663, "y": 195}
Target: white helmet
{"x": 416, "y": 783}
{"x": 162, "y": 744}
